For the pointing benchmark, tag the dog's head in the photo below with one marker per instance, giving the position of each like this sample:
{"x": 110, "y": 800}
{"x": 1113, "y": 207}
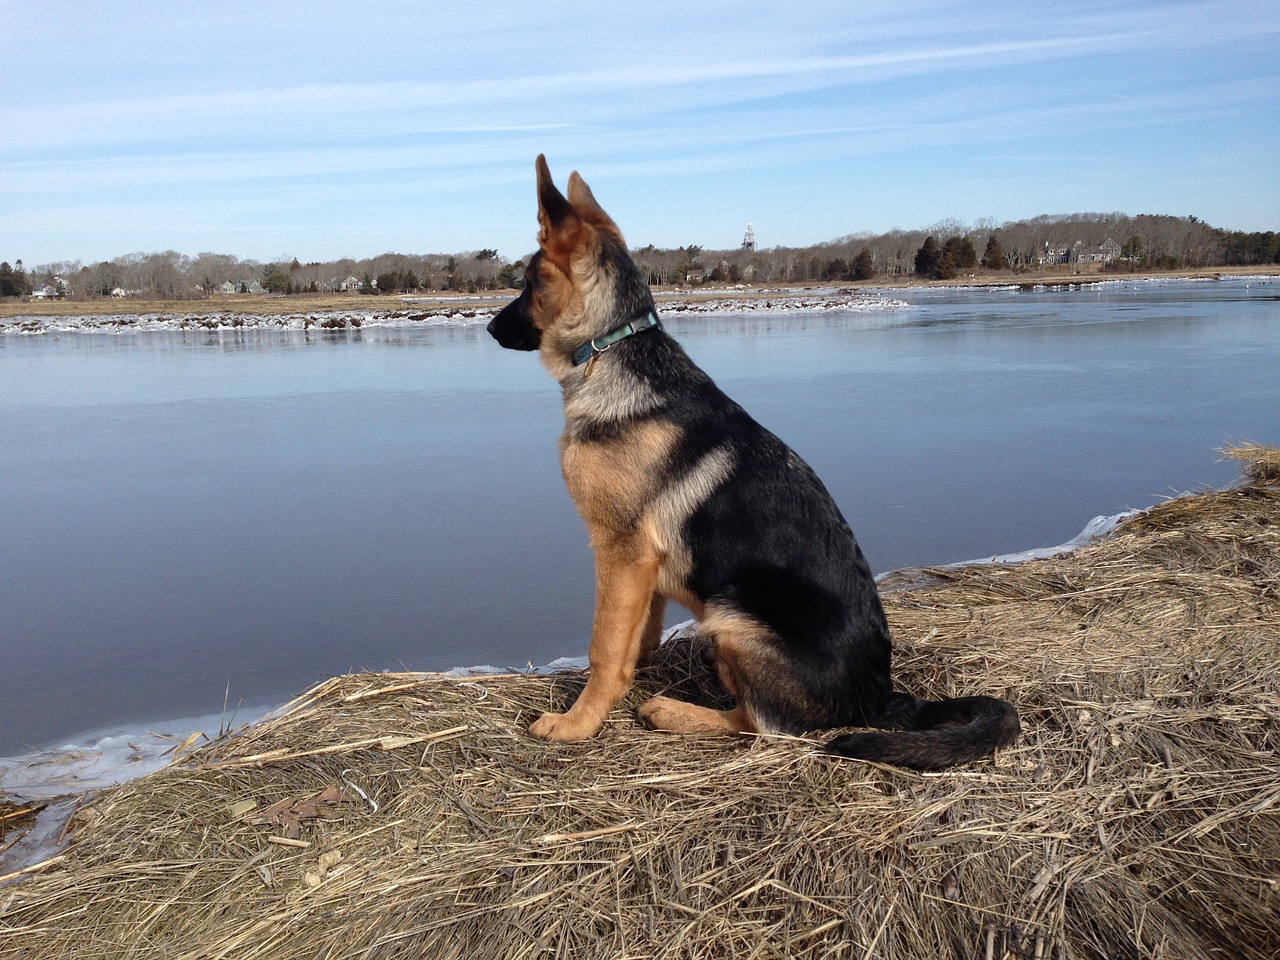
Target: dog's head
{"x": 581, "y": 280}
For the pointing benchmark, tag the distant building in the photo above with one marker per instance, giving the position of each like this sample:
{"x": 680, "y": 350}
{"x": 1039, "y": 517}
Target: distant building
{"x": 56, "y": 289}
{"x": 749, "y": 240}
{"x": 1104, "y": 253}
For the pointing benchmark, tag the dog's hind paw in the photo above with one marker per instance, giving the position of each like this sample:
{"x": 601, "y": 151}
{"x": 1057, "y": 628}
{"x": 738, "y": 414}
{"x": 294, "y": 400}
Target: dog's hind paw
{"x": 563, "y": 727}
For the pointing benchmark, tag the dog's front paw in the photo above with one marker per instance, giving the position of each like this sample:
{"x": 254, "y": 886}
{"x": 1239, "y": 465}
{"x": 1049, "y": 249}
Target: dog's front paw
{"x": 562, "y": 727}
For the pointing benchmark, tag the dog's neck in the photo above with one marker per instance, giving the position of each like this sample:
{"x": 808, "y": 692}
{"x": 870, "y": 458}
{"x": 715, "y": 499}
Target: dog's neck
{"x": 589, "y": 350}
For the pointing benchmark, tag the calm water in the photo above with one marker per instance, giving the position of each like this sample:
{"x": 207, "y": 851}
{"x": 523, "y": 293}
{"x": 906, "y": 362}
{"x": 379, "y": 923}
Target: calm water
{"x": 184, "y": 514}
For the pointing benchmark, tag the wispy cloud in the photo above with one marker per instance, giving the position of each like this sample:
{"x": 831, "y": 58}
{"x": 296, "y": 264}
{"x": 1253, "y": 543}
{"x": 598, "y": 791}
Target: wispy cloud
{"x": 306, "y": 107}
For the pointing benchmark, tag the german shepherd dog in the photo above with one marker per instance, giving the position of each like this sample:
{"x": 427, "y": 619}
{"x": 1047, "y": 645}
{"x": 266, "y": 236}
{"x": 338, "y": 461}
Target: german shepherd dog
{"x": 686, "y": 497}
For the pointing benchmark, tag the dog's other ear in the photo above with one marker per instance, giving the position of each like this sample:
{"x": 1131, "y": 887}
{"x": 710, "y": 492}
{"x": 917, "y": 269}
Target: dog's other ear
{"x": 584, "y": 202}
{"x": 558, "y": 222}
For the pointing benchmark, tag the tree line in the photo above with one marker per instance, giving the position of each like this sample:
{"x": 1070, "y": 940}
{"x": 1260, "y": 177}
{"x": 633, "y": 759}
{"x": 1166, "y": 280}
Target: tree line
{"x": 174, "y": 276}
{"x": 941, "y": 251}
{"x": 1064, "y": 243}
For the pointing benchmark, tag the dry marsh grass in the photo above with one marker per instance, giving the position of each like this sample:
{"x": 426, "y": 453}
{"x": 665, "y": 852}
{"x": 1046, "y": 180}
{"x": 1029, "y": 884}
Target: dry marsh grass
{"x": 408, "y": 815}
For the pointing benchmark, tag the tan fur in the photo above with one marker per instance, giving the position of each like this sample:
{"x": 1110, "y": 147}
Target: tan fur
{"x": 745, "y": 647}
{"x": 611, "y": 481}
{"x": 610, "y": 391}
{"x": 626, "y": 574}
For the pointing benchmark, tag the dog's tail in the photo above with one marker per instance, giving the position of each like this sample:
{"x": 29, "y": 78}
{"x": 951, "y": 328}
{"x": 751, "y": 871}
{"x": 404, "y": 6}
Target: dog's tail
{"x": 932, "y": 734}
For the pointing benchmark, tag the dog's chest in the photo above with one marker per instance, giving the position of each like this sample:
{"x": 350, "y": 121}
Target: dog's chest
{"x": 613, "y": 480}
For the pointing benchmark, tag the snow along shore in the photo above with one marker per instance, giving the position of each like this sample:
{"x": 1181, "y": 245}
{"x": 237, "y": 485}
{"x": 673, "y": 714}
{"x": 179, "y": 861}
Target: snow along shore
{"x": 430, "y": 313}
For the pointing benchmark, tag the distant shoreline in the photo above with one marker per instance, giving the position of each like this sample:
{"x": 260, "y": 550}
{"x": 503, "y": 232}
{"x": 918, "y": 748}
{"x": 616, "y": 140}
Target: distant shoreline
{"x": 269, "y": 305}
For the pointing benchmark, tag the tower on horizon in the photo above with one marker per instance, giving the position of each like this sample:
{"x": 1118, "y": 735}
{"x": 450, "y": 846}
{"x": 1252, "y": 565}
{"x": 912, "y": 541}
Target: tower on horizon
{"x": 749, "y": 241}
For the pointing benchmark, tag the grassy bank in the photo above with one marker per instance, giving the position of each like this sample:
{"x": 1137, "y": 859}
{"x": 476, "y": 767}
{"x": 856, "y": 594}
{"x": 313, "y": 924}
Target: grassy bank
{"x": 270, "y": 306}
{"x": 408, "y": 815}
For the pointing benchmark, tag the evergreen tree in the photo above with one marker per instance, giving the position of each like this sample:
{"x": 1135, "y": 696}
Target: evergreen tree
{"x": 993, "y": 257}
{"x": 275, "y": 280}
{"x": 927, "y": 259}
{"x": 946, "y": 268}
{"x": 864, "y": 267}
{"x": 13, "y": 283}
{"x": 959, "y": 254}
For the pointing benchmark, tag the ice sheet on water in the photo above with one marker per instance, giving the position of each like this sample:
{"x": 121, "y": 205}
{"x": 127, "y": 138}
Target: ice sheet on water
{"x": 1097, "y": 527}
{"x": 104, "y": 758}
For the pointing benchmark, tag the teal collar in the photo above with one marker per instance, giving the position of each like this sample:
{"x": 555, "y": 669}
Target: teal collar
{"x": 600, "y": 344}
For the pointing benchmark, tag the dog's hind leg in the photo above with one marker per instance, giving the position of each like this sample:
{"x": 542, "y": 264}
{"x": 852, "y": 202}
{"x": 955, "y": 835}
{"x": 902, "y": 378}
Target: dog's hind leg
{"x": 652, "y": 634}
{"x": 665, "y": 713}
{"x": 625, "y": 579}
{"x": 753, "y": 670}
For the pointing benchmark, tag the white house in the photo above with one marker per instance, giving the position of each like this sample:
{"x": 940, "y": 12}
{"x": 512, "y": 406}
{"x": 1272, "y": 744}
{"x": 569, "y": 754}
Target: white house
{"x": 56, "y": 289}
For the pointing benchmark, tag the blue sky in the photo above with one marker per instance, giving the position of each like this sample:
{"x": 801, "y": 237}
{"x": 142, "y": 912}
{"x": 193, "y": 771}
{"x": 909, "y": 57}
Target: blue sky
{"x": 321, "y": 130}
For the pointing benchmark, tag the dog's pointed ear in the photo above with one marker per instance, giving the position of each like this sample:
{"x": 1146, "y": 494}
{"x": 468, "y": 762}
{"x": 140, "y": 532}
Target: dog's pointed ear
{"x": 585, "y": 206}
{"x": 553, "y": 208}
{"x": 559, "y": 225}
{"x": 584, "y": 202}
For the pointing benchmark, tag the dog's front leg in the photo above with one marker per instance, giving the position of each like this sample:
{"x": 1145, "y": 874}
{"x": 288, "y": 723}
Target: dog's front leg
{"x": 625, "y": 579}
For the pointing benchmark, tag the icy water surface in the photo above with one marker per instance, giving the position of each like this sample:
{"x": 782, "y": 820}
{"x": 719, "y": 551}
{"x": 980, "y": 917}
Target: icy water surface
{"x": 186, "y": 514}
